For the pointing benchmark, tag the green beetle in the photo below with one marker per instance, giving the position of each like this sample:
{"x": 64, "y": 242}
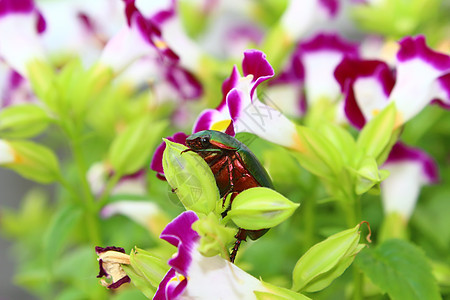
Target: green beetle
{"x": 235, "y": 169}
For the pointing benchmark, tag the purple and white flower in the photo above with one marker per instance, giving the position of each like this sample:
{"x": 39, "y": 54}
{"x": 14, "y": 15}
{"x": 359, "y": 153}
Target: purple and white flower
{"x": 15, "y": 90}
{"x": 410, "y": 169}
{"x": 242, "y": 111}
{"x": 421, "y": 76}
{"x": 301, "y": 15}
{"x": 194, "y": 276}
{"x": 21, "y": 25}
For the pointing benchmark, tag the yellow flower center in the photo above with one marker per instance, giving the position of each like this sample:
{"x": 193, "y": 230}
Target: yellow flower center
{"x": 221, "y": 125}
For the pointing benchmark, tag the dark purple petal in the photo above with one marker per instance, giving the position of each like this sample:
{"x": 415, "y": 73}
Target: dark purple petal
{"x": 444, "y": 85}
{"x": 41, "y": 25}
{"x": 415, "y": 47}
{"x": 184, "y": 82}
{"x": 119, "y": 282}
{"x": 165, "y": 14}
{"x": 294, "y": 72}
{"x": 156, "y": 163}
{"x": 102, "y": 271}
{"x": 99, "y": 249}
{"x": 349, "y": 71}
{"x": 229, "y": 83}
{"x": 256, "y": 64}
{"x": 400, "y": 153}
{"x": 167, "y": 289}
{"x": 332, "y": 6}
{"x": 180, "y": 234}
{"x": 329, "y": 41}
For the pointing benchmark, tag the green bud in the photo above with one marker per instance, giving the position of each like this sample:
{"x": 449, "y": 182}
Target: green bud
{"x": 42, "y": 78}
{"x": 215, "y": 236}
{"x": 326, "y": 261}
{"x": 394, "y": 226}
{"x": 131, "y": 149}
{"x": 318, "y": 154}
{"x": 376, "y": 134}
{"x": 32, "y": 161}
{"x": 368, "y": 175}
{"x": 191, "y": 178}
{"x": 274, "y": 292}
{"x": 259, "y": 208}
{"x": 23, "y": 121}
{"x": 150, "y": 267}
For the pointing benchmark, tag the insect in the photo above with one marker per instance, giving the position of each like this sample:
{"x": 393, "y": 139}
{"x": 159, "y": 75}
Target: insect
{"x": 235, "y": 169}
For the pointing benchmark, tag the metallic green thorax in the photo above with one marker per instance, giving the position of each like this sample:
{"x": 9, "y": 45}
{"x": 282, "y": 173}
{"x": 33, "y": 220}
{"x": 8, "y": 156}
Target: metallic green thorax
{"x": 224, "y": 141}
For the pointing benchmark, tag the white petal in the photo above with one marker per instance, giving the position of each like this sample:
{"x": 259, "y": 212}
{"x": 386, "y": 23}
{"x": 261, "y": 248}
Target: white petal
{"x": 216, "y": 278}
{"x": 267, "y": 123}
{"x": 299, "y": 16}
{"x": 370, "y": 96}
{"x": 286, "y": 98}
{"x": 412, "y": 88}
{"x": 139, "y": 211}
{"x": 319, "y": 75}
{"x": 20, "y": 42}
{"x": 6, "y": 153}
{"x": 401, "y": 189}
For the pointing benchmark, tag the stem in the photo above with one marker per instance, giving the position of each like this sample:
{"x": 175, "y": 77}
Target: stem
{"x": 107, "y": 191}
{"x": 354, "y": 217}
{"x": 309, "y": 210}
{"x": 89, "y": 200}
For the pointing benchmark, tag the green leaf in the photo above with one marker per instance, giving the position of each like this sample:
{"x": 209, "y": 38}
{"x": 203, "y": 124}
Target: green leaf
{"x": 278, "y": 293}
{"x": 400, "y": 269}
{"x": 22, "y": 121}
{"x": 131, "y": 149}
{"x": 58, "y": 231}
{"x": 376, "y": 134}
{"x": 151, "y": 267}
{"x": 139, "y": 281}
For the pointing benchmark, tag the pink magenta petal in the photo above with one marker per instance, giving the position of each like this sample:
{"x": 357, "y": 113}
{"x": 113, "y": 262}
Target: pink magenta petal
{"x": 180, "y": 234}
{"x": 235, "y": 103}
{"x": 256, "y": 64}
{"x": 229, "y": 83}
{"x": 331, "y": 6}
{"x": 441, "y": 91}
{"x": 401, "y": 153}
{"x": 184, "y": 82}
{"x": 206, "y": 119}
{"x": 156, "y": 164}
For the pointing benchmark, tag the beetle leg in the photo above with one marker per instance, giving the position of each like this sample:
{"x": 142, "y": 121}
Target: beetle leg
{"x": 240, "y": 236}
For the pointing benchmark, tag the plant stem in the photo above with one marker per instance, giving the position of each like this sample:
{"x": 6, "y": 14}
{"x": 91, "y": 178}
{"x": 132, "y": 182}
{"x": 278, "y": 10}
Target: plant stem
{"x": 89, "y": 200}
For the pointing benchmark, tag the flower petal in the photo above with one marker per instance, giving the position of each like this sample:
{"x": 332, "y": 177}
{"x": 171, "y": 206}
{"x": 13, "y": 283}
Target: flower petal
{"x": 7, "y": 154}
{"x": 180, "y": 234}
{"x": 256, "y": 64}
{"x": 20, "y": 25}
{"x": 320, "y": 56}
{"x": 417, "y": 68}
{"x": 366, "y": 85}
{"x": 441, "y": 91}
{"x": 409, "y": 169}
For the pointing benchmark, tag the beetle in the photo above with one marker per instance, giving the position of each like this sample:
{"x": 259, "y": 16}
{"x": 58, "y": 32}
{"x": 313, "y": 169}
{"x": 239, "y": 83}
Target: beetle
{"x": 235, "y": 169}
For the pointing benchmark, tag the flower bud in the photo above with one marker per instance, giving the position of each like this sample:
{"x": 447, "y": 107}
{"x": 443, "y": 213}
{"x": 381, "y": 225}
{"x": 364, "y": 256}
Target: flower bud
{"x": 31, "y": 160}
{"x": 368, "y": 175}
{"x": 259, "y": 208}
{"x": 215, "y": 237}
{"x": 326, "y": 261}
{"x": 22, "y": 121}
{"x": 190, "y": 177}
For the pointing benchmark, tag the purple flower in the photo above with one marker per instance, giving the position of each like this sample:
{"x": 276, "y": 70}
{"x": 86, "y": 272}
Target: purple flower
{"x": 410, "y": 169}
{"x": 194, "y": 276}
{"x": 21, "y": 24}
{"x": 368, "y": 86}
{"x": 242, "y": 111}
{"x": 110, "y": 260}
{"x": 16, "y": 90}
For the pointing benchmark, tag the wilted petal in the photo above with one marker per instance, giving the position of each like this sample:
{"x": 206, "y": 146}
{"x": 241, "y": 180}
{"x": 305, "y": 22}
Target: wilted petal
{"x": 418, "y": 67}
{"x": 20, "y": 26}
{"x": 410, "y": 169}
{"x": 110, "y": 260}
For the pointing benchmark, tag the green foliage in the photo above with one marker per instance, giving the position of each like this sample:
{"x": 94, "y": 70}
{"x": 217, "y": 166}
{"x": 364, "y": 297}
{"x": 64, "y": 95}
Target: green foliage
{"x": 23, "y": 121}
{"x": 131, "y": 149}
{"x": 399, "y": 269}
